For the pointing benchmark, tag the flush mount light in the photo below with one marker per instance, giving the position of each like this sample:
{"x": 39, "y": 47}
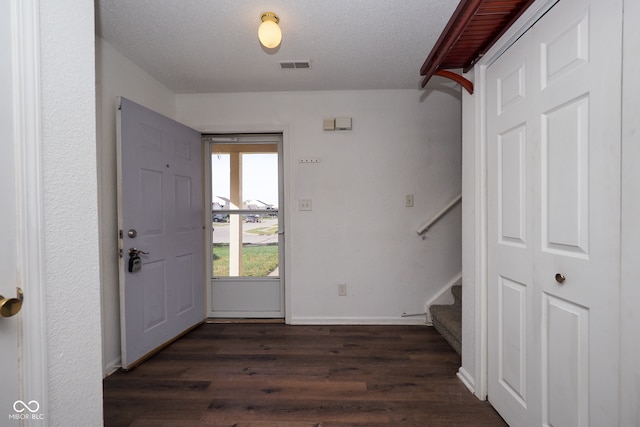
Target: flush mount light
{"x": 269, "y": 32}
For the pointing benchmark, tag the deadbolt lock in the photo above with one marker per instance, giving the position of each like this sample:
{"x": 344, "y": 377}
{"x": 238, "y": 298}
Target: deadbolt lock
{"x": 11, "y": 306}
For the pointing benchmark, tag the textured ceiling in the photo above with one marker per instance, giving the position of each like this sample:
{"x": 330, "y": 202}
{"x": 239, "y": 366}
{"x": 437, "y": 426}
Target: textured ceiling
{"x": 200, "y": 46}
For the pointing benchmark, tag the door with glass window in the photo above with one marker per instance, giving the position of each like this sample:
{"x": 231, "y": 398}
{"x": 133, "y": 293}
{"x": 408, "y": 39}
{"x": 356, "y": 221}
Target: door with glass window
{"x": 246, "y": 226}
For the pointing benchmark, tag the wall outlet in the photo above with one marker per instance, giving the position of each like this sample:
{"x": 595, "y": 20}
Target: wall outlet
{"x": 304, "y": 205}
{"x": 342, "y": 290}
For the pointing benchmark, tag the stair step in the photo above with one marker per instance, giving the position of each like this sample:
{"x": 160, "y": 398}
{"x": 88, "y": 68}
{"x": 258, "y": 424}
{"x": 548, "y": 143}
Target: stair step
{"x": 447, "y": 319}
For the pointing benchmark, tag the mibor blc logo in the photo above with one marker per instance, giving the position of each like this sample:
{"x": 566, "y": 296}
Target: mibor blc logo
{"x": 26, "y": 410}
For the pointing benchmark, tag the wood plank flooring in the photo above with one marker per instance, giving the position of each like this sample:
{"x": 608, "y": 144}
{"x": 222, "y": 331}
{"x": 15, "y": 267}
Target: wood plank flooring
{"x": 262, "y": 375}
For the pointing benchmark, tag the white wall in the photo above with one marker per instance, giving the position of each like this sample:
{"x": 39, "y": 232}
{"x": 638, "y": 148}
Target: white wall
{"x": 630, "y": 286}
{"x": 70, "y": 217}
{"x": 116, "y": 76}
{"x": 359, "y": 232}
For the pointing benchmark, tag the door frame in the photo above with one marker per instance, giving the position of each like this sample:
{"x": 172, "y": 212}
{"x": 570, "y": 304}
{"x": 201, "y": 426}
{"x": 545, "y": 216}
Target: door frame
{"x": 630, "y": 212}
{"x": 27, "y": 123}
{"x": 249, "y": 284}
{"x": 285, "y": 269}
{"x": 478, "y": 201}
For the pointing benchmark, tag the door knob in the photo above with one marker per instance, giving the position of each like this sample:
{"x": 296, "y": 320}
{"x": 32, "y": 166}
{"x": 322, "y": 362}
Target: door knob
{"x": 560, "y": 278}
{"x": 137, "y": 252}
{"x": 11, "y": 306}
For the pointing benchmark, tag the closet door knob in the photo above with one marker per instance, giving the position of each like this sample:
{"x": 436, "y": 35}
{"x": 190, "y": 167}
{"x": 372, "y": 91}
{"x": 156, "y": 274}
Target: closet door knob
{"x": 560, "y": 278}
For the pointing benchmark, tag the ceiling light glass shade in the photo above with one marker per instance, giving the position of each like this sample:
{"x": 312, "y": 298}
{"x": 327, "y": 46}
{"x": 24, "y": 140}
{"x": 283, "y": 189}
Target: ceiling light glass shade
{"x": 269, "y": 32}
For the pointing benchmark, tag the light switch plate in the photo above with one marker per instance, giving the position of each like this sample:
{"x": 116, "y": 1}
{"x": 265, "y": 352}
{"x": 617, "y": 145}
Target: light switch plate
{"x": 342, "y": 289}
{"x": 408, "y": 200}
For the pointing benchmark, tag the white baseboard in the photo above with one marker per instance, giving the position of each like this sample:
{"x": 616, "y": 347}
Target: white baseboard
{"x": 111, "y": 367}
{"x": 467, "y": 380}
{"x": 414, "y": 320}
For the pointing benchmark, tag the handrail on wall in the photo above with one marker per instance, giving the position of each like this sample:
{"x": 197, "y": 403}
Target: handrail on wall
{"x": 439, "y": 215}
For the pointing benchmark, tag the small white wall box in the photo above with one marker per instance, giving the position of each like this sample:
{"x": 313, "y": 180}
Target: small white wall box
{"x": 343, "y": 123}
{"x": 329, "y": 124}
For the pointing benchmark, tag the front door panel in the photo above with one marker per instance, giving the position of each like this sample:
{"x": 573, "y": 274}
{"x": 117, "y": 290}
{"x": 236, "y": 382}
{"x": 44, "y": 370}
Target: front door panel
{"x": 160, "y": 215}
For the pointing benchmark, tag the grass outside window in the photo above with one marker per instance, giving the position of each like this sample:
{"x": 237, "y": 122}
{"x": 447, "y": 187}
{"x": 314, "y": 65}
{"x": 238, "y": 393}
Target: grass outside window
{"x": 257, "y": 260}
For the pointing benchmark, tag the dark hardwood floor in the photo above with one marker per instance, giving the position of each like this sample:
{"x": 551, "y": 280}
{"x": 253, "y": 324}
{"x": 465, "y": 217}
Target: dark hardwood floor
{"x": 275, "y": 375}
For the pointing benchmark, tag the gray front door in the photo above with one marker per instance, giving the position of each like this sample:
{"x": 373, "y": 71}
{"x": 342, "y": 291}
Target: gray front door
{"x": 160, "y": 215}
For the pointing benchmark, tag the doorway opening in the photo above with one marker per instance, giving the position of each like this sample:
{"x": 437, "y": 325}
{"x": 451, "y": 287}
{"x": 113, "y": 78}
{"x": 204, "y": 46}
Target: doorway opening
{"x": 246, "y": 246}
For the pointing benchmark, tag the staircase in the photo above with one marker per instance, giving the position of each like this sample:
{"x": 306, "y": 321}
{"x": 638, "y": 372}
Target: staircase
{"x": 447, "y": 319}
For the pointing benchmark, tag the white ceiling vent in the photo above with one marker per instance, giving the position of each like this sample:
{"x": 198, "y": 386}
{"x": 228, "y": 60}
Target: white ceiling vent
{"x": 290, "y": 65}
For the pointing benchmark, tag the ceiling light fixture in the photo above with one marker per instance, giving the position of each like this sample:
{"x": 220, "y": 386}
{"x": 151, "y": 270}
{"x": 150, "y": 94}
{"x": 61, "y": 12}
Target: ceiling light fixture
{"x": 269, "y": 32}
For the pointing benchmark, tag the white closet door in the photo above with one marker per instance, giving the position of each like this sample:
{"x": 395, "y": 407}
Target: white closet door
{"x": 511, "y": 236}
{"x": 553, "y": 133}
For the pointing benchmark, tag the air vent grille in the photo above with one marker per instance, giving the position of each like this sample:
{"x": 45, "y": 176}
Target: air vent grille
{"x": 290, "y": 65}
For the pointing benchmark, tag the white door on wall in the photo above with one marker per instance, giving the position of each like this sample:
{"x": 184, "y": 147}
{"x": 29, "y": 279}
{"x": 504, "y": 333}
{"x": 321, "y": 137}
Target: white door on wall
{"x": 10, "y": 390}
{"x": 247, "y": 226}
{"x": 160, "y": 222}
{"x": 553, "y": 147}
{"x": 23, "y": 398}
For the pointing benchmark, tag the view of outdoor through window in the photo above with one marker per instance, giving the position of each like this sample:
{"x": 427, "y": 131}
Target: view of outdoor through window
{"x": 244, "y": 210}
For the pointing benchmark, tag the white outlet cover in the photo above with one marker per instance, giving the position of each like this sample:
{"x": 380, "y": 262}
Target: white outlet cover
{"x": 304, "y": 205}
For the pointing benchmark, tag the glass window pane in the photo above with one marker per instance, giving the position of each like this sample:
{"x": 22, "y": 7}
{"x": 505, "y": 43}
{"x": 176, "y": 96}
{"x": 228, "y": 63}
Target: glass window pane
{"x": 244, "y": 176}
{"x": 245, "y": 246}
{"x": 220, "y": 184}
{"x": 260, "y": 180}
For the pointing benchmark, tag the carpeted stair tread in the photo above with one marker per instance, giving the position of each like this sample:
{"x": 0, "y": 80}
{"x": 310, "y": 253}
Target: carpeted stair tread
{"x": 447, "y": 319}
